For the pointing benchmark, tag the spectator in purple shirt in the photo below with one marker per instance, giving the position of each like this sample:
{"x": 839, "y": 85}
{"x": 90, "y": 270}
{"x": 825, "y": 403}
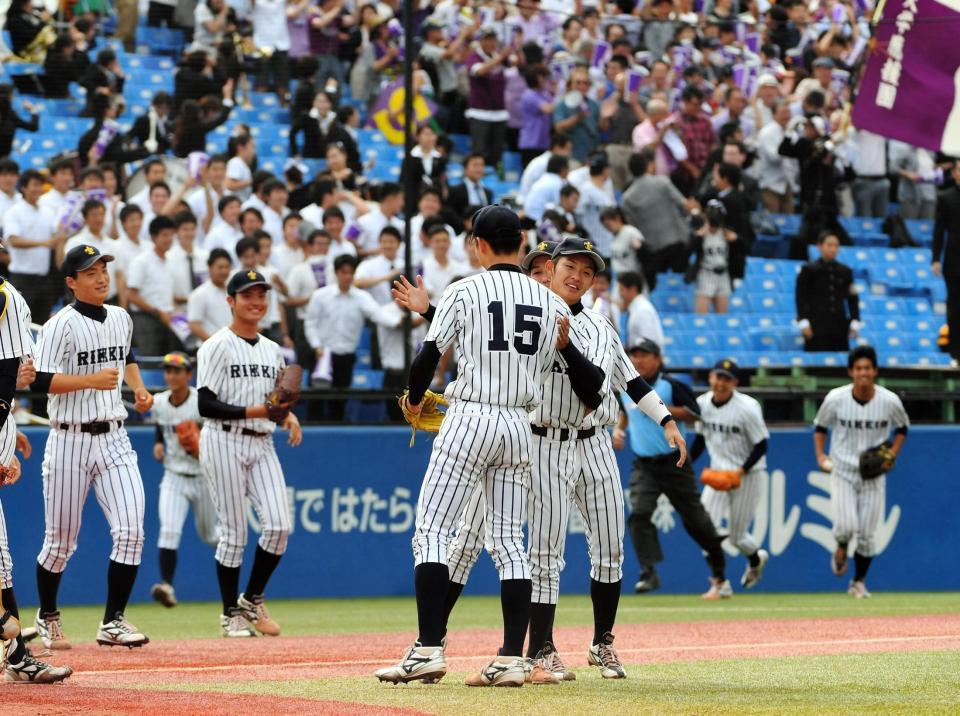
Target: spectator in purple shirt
{"x": 535, "y": 25}
{"x": 487, "y": 111}
{"x": 536, "y": 109}
{"x": 326, "y": 24}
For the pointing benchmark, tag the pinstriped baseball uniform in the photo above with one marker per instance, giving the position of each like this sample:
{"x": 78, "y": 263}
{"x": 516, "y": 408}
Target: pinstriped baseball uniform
{"x": 8, "y": 443}
{"x": 240, "y": 372}
{"x": 505, "y": 325}
{"x": 16, "y": 341}
{"x": 858, "y": 504}
{"x": 730, "y": 431}
{"x": 182, "y": 485}
{"x": 76, "y": 343}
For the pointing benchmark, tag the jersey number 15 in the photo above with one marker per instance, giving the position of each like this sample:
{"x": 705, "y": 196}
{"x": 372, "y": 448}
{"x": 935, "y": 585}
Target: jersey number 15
{"x": 526, "y": 325}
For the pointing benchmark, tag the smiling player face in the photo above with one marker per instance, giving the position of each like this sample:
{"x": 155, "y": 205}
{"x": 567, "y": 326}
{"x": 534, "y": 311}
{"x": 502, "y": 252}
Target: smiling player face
{"x": 92, "y": 285}
{"x": 722, "y": 386}
{"x": 572, "y": 277}
{"x": 249, "y": 306}
{"x": 863, "y": 374}
{"x": 541, "y": 270}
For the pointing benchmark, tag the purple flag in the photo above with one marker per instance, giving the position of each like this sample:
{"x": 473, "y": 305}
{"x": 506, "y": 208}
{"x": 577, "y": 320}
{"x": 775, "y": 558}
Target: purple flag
{"x": 909, "y": 88}
{"x": 601, "y": 51}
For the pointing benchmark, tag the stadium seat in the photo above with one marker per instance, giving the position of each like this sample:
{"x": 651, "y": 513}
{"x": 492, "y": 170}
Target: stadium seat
{"x": 789, "y": 224}
{"x": 770, "y": 302}
{"x": 762, "y": 283}
{"x": 672, "y": 302}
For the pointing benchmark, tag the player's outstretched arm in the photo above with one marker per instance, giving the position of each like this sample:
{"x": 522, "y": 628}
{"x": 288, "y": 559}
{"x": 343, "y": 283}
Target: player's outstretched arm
{"x": 57, "y": 383}
{"x": 132, "y": 377}
{"x": 413, "y": 298}
{"x": 675, "y": 440}
{"x": 212, "y": 407}
{"x": 820, "y": 449}
{"x": 291, "y": 425}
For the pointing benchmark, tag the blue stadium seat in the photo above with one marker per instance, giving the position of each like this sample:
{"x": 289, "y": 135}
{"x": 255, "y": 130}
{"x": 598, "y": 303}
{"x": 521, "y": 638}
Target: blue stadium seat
{"x": 789, "y": 224}
{"x": 731, "y": 340}
{"x": 672, "y": 302}
{"x": 763, "y": 284}
{"x": 920, "y": 229}
{"x": 771, "y": 320}
{"x": 770, "y": 302}
{"x": 159, "y": 41}
{"x": 672, "y": 281}
{"x": 824, "y": 359}
{"x": 738, "y": 303}
{"x": 774, "y": 247}
{"x": 693, "y": 341}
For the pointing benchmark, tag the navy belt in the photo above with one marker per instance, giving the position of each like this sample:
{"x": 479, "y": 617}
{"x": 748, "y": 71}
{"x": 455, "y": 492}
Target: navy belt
{"x": 98, "y": 428}
{"x": 228, "y": 428}
{"x": 563, "y": 433}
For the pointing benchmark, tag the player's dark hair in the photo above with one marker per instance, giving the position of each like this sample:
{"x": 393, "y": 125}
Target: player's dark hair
{"x": 612, "y": 212}
{"x": 271, "y": 185}
{"x": 91, "y": 172}
{"x": 31, "y": 175}
{"x": 605, "y": 273}
{"x": 251, "y": 210}
{"x": 8, "y": 166}
{"x": 428, "y": 191}
{"x": 161, "y": 223}
{"x": 868, "y": 352}
{"x": 159, "y": 185}
{"x": 217, "y": 159}
{"x": 292, "y": 216}
{"x": 435, "y": 227}
{"x": 129, "y": 210}
{"x": 557, "y": 164}
{"x": 61, "y": 165}
{"x": 216, "y": 254}
{"x": 640, "y": 161}
{"x": 345, "y": 260}
{"x": 150, "y": 163}
{"x": 259, "y": 235}
{"x": 631, "y": 279}
{"x": 89, "y": 205}
{"x": 391, "y": 231}
{"x": 568, "y": 190}
{"x": 226, "y": 201}
{"x": 334, "y": 212}
{"x": 389, "y": 189}
{"x": 315, "y": 233}
{"x": 730, "y": 172}
{"x": 246, "y": 244}
{"x": 826, "y": 234}
{"x": 184, "y": 217}
{"x": 559, "y": 140}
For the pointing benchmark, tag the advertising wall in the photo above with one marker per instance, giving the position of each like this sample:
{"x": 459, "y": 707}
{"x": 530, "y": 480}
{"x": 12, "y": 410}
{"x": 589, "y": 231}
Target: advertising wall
{"x": 353, "y": 495}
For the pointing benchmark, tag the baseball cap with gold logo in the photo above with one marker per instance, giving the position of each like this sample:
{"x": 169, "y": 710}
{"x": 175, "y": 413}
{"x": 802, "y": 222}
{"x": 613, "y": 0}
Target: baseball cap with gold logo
{"x": 727, "y": 367}
{"x": 82, "y": 257}
{"x": 244, "y": 280}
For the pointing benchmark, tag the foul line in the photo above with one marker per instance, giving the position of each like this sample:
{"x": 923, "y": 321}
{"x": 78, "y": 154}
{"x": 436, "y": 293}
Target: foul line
{"x": 641, "y": 650}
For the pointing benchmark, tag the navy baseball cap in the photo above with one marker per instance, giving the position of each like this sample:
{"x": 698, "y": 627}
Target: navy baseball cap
{"x": 177, "y": 359}
{"x": 244, "y": 280}
{"x": 645, "y": 345}
{"x": 727, "y": 367}
{"x": 82, "y": 257}
{"x": 496, "y": 221}
{"x": 544, "y": 248}
{"x": 571, "y": 245}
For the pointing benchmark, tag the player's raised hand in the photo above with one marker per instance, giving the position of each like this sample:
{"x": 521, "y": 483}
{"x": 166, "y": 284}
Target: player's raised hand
{"x": 563, "y": 332}
{"x": 24, "y": 446}
{"x": 26, "y": 374}
{"x": 413, "y": 298}
{"x": 675, "y": 440}
{"x": 292, "y": 426}
{"x": 144, "y": 400}
{"x": 106, "y": 379}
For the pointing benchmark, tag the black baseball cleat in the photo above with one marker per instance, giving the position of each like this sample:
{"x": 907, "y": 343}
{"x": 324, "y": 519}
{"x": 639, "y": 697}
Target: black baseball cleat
{"x": 649, "y": 580}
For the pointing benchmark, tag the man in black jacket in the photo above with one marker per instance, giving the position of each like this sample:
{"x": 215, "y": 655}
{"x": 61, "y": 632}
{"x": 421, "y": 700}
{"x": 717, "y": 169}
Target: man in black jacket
{"x": 103, "y": 77}
{"x": 946, "y": 255}
{"x": 726, "y": 188}
{"x": 470, "y": 192}
{"x": 153, "y": 126}
{"x": 828, "y": 308}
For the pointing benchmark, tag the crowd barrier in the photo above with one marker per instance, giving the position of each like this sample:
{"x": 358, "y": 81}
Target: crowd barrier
{"x": 353, "y": 495}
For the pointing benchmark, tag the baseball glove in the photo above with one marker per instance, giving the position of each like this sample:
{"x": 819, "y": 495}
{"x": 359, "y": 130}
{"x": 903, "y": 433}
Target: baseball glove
{"x": 286, "y": 393}
{"x": 430, "y": 416}
{"x": 720, "y": 479}
{"x": 876, "y": 461}
{"x": 9, "y": 474}
{"x": 188, "y": 434}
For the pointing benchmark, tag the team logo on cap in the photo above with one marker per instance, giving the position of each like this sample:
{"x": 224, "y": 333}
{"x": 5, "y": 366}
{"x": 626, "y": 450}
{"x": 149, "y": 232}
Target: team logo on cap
{"x": 252, "y": 275}
{"x": 542, "y": 246}
{"x": 727, "y": 364}
{"x": 90, "y": 250}
{"x": 588, "y": 245}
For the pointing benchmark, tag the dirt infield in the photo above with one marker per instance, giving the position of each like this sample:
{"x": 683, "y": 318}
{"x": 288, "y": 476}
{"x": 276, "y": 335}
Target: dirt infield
{"x": 113, "y": 674}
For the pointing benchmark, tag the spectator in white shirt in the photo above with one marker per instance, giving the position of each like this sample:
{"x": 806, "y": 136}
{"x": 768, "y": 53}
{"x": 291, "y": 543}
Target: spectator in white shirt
{"x": 227, "y": 231}
{"x": 370, "y": 225}
{"x": 159, "y": 198}
{"x": 429, "y": 205}
{"x": 239, "y": 177}
{"x": 439, "y": 270}
{"x": 150, "y": 293}
{"x": 275, "y": 208}
{"x": 305, "y": 278}
{"x": 289, "y": 252}
{"x": 207, "y": 307}
{"x": 334, "y": 322}
{"x": 204, "y": 199}
{"x": 561, "y": 146}
{"x": 627, "y": 242}
{"x": 32, "y": 238}
{"x": 270, "y": 32}
{"x": 377, "y": 273}
{"x": 776, "y": 174}
{"x": 9, "y": 174}
{"x": 186, "y": 261}
{"x": 92, "y": 234}
{"x": 154, "y": 171}
{"x": 642, "y": 318}
{"x": 333, "y": 223}
{"x": 276, "y": 327}
{"x": 251, "y": 221}
{"x": 594, "y": 199}
{"x": 61, "y": 181}
{"x": 546, "y": 190}
{"x": 127, "y": 246}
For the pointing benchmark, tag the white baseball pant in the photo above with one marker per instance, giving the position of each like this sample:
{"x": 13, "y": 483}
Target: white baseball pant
{"x": 484, "y": 445}
{"x": 239, "y": 467}
{"x": 8, "y": 444}
{"x": 857, "y": 506}
{"x": 72, "y": 462}
{"x": 738, "y": 507}
{"x": 177, "y": 494}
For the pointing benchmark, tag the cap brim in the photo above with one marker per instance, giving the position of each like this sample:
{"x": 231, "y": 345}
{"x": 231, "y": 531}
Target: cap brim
{"x": 527, "y": 263}
{"x": 598, "y": 262}
{"x": 254, "y": 284}
{"x": 724, "y": 372}
{"x": 106, "y": 258}
{"x": 644, "y": 349}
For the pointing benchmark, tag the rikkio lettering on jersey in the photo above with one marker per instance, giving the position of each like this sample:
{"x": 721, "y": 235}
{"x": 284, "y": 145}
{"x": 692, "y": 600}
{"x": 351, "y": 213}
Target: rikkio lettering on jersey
{"x": 864, "y": 424}
{"x": 721, "y": 428}
{"x": 97, "y": 356}
{"x": 253, "y": 370}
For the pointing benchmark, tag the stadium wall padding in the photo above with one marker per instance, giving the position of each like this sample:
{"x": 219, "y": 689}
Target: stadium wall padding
{"x": 353, "y": 495}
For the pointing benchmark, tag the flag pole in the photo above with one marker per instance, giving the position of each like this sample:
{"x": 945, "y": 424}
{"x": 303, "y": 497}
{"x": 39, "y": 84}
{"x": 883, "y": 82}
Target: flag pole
{"x": 409, "y": 191}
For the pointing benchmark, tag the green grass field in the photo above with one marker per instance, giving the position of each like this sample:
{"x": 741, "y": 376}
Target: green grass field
{"x": 891, "y": 680}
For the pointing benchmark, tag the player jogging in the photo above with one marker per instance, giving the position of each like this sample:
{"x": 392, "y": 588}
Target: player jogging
{"x": 510, "y": 331}
{"x": 731, "y": 428}
{"x": 859, "y": 416}
{"x": 16, "y": 344}
{"x": 236, "y": 368}
{"x": 81, "y": 353}
{"x": 177, "y": 445}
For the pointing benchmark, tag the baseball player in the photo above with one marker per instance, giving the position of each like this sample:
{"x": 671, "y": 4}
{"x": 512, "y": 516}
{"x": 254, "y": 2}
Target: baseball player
{"x": 860, "y": 416}
{"x": 236, "y": 368}
{"x": 16, "y": 344}
{"x": 574, "y": 461}
{"x": 81, "y": 353}
{"x": 182, "y": 485}
{"x": 732, "y": 430}
{"x": 511, "y": 332}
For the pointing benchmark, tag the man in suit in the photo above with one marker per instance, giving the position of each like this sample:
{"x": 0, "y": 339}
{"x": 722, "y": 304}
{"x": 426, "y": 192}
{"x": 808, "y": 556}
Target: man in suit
{"x": 654, "y": 205}
{"x": 946, "y": 255}
{"x": 154, "y": 127}
{"x": 471, "y": 192}
{"x": 828, "y": 308}
{"x": 103, "y": 77}
{"x": 726, "y": 188}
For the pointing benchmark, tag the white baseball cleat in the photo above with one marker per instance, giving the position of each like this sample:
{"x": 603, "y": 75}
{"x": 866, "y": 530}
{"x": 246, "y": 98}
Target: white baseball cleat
{"x": 256, "y": 613}
{"x": 50, "y": 630}
{"x": 553, "y": 663}
{"x": 420, "y": 663}
{"x": 502, "y": 671}
{"x": 718, "y": 590}
{"x": 606, "y": 657}
{"x": 858, "y": 590}
{"x": 120, "y": 632}
{"x": 752, "y": 574}
{"x": 34, "y": 671}
{"x": 235, "y": 625}
{"x": 164, "y": 594}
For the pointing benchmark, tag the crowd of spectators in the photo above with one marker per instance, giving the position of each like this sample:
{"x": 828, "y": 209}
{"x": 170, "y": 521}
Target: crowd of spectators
{"x": 665, "y": 132}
